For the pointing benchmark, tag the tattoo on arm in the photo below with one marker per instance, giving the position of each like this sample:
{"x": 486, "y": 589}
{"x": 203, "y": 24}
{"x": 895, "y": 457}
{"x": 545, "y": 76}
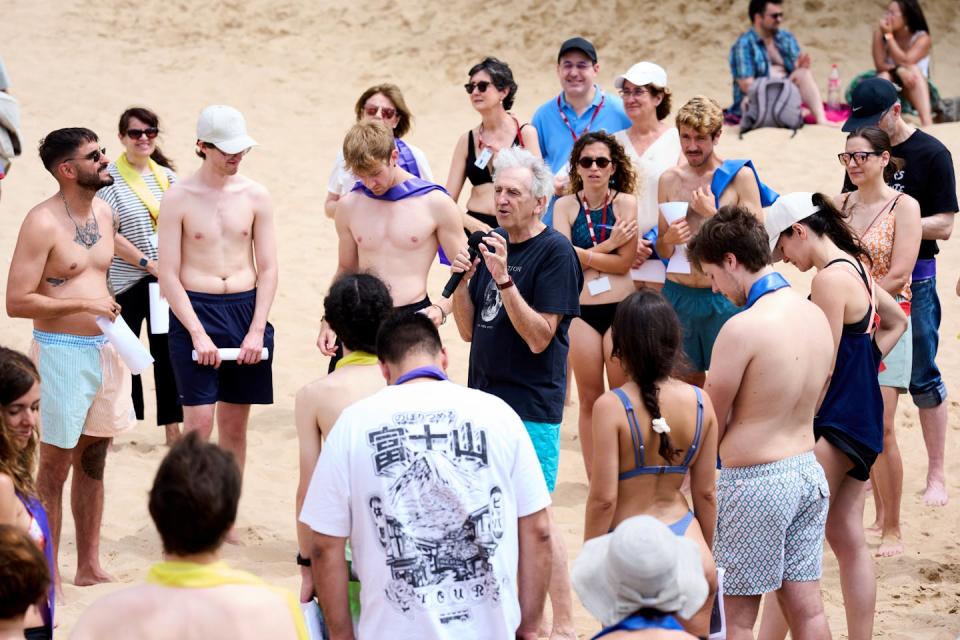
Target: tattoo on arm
{"x": 116, "y": 222}
{"x": 56, "y": 282}
{"x": 93, "y": 459}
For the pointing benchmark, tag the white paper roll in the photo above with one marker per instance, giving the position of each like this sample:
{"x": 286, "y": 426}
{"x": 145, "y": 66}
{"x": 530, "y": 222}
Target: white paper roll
{"x": 673, "y": 211}
{"x": 131, "y": 350}
{"x": 159, "y": 310}
{"x": 314, "y": 619}
{"x": 232, "y": 353}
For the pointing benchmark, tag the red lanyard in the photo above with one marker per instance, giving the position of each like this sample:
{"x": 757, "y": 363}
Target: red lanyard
{"x": 603, "y": 218}
{"x": 483, "y": 144}
{"x": 596, "y": 112}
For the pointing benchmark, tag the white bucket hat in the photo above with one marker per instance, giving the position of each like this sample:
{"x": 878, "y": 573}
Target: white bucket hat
{"x": 225, "y": 128}
{"x": 641, "y": 74}
{"x": 641, "y": 565}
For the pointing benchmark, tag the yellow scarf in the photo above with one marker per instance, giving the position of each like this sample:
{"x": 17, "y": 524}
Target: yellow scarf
{"x": 139, "y": 186}
{"x": 191, "y": 575}
{"x": 356, "y": 357}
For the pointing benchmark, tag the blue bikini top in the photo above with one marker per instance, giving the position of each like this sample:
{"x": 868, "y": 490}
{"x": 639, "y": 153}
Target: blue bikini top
{"x": 637, "y": 436}
{"x": 638, "y": 623}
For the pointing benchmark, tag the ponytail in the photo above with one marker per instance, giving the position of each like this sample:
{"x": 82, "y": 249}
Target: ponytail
{"x": 831, "y": 222}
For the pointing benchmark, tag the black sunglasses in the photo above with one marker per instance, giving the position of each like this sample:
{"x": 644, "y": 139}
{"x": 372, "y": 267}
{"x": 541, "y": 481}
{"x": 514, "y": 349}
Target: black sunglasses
{"x": 586, "y": 162}
{"x": 94, "y": 155}
{"x": 136, "y": 134}
{"x": 483, "y": 85}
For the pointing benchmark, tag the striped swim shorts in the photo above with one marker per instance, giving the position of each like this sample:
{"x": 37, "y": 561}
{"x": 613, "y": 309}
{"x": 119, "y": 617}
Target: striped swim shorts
{"x": 84, "y": 388}
{"x": 770, "y": 524}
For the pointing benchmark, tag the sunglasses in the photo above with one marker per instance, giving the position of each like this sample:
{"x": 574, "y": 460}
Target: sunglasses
{"x": 94, "y": 155}
{"x": 210, "y": 145}
{"x": 859, "y": 157}
{"x": 386, "y": 113}
{"x": 136, "y": 134}
{"x": 586, "y": 162}
{"x": 483, "y": 85}
{"x": 776, "y": 16}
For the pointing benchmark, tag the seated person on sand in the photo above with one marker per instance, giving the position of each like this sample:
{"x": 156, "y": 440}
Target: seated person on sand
{"x": 901, "y": 54}
{"x": 649, "y": 433}
{"x": 766, "y": 50}
{"x": 355, "y": 306}
{"x": 194, "y": 594}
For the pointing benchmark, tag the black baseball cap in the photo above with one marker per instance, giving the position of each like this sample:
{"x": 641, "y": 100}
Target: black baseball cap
{"x": 578, "y": 44}
{"x": 868, "y": 102}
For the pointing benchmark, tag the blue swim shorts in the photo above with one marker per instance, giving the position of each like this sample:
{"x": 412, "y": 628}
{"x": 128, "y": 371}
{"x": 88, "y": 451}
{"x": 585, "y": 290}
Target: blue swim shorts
{"x": 546, "y": 442}
{"x": 770, "y": 524}
{"x": 702, "y": 313}
{"x": 226, "y": 318}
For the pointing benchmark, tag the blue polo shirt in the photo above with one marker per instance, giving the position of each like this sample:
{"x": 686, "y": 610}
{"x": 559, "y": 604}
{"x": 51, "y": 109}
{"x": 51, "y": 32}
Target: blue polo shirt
{"x": 556, "y": 141}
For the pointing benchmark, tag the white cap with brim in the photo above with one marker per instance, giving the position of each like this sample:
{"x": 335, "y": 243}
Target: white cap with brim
{"x": 641, "y": 565}
{"x": 788, "y": 209}
{"x": 225, "y": 128}
{"x": 643, "y": 73}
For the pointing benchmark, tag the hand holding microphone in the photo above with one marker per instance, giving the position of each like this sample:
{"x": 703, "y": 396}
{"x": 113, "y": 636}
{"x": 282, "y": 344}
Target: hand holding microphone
{"x": 464, "y": 262}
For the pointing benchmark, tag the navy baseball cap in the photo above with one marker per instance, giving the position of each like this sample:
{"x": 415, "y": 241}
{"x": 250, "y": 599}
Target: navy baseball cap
{"x": 578, "y": 44}
{"x": 868, "y": 102}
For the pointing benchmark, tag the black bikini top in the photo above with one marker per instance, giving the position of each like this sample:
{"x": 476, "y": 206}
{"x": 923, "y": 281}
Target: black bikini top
{"x": 475, "y": 174}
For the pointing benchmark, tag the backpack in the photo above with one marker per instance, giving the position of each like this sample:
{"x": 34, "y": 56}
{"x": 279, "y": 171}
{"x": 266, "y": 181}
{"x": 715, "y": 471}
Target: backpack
{"x": 773, "y": 102}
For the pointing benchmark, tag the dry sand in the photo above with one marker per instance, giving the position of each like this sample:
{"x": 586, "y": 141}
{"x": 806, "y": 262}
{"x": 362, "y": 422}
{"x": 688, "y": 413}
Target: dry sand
{"x": 295, "y": 68}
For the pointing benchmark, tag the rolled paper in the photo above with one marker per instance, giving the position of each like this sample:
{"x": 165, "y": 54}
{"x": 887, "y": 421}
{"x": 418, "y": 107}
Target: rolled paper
{"x": 232, "y": 353}
{"x": 128, "y": 345}
{"x": 673, "y": 211}
{"x": 314, "y": 619}
{"x": 159, "y": 310}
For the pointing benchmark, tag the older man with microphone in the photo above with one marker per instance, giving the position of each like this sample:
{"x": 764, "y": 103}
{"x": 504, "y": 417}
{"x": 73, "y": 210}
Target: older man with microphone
{"x": 523, "y": 291}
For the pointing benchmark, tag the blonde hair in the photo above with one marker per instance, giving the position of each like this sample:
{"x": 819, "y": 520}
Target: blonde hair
{"x": 702, "y": 114}
{"x": 366, "y": 146}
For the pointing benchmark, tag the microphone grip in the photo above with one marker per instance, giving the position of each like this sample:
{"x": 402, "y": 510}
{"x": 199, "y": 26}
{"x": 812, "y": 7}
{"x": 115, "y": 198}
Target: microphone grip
{"x": 455, "y": 278}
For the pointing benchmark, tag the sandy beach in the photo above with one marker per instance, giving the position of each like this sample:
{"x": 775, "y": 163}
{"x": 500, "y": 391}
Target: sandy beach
{"x": 295, "y": 68}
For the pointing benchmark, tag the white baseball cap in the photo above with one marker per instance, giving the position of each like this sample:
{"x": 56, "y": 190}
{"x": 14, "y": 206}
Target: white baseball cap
{"x": 225, "y": 128}
{"x": 643, "y": 73}
{"x": 788, "y": 209}
{"x": 642, "y": 564}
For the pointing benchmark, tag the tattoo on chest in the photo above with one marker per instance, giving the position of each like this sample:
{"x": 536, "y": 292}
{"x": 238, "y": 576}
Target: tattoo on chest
{"x": 87, "y": 234}
{"x": 56, "y": 282}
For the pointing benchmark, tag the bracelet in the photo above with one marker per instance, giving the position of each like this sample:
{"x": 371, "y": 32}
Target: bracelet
{"x": 443, "y": 315}
{"x": 303, "y": 562}
{"x": 505, "y": 285}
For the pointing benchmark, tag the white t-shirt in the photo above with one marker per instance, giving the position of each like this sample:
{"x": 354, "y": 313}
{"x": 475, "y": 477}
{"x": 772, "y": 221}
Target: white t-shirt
{"x": 342, "y": 181}
{"x": 660, "y": 156}
{"x": 428, "y": 479}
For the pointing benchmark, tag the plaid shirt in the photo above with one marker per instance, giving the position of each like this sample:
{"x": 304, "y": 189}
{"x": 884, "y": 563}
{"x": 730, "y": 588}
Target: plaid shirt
{"x": 749, "y": 59}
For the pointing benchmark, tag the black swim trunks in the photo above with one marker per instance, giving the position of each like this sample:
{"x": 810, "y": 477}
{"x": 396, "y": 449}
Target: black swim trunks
{"x": 226, "y": 318}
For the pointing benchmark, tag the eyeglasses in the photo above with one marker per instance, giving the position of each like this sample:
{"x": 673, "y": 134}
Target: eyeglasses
{"x": 386, "y": 113}
{"x": 579, "y": 66}
{"x": 136, "y": 134}
{"x": 586, "y": 162}
{"x": 858, "y": 157}
{"x": 776, "y": 16}
{"x": 94, "y": 155}
{"x": 483, "y": 85}
{"x": 635, "y": 93}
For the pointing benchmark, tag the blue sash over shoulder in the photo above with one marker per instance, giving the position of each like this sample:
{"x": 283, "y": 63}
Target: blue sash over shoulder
{"x": 724, "y": 174}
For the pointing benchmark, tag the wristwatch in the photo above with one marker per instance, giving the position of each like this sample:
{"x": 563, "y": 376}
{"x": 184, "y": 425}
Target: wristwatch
{"x": 144, "y": 262}
{"x": 505, "y": 285}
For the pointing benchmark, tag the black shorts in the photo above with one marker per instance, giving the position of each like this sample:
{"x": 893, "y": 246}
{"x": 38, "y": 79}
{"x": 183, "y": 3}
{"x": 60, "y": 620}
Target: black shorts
{"x": 599, "y": 316}
{"x": 38, "y": 633}
{"x": 860, "y": 455}
{"x": 226, "y": 318}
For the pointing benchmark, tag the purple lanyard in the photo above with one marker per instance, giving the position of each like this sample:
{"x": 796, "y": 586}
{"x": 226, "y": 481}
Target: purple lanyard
{"x": 422, "y": 372}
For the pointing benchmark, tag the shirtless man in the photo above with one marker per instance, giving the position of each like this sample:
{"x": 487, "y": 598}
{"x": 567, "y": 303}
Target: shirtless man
{"x": 772, "y": 363}
{"x": 194, "y": 594}
{"x": 354, "y": 308}
{"x": 218, "y": 269}
{"x": 391, "y": 226}
{"x": 58, "y": 278}
{"x": 701, "y": 311}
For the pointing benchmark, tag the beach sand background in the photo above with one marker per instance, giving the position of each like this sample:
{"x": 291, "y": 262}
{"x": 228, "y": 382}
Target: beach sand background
{"x": 295, "y": 69}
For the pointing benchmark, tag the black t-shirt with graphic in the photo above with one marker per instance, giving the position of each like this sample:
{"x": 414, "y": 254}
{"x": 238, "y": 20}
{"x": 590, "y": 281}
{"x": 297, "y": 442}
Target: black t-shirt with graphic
{"x": 547, "y": 274}
{"x": 928, "y": 176}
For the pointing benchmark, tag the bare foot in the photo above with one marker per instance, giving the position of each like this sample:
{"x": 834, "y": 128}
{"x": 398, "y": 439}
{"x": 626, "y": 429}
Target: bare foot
{"x": 876, "y": 527}
{"x": 173, "y": 433}
{"x": 890, "y": 545}
{"x": 91, "y": 576}
{"x": 936, "y": 494}
{"x": 564, "y": 634}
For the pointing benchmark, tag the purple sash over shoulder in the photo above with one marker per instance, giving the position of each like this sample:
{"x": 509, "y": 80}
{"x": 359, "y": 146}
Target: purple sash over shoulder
{"x": 406, "y": 160}
{"x": 406, "y": 189}
{"x": 36, "y": 510}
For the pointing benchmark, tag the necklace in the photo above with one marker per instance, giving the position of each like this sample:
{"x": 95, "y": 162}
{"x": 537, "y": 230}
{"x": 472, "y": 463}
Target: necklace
{"x": 89, "y": 234}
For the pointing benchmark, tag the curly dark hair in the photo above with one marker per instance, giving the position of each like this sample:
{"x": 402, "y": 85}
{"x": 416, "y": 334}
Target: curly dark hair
{"x": 501, "y": 75}
{"x": 355, "y": 306}
{"x": 650, "y": 355}
{"x": 624, "y": 176}
{"x": 734, "y": 229}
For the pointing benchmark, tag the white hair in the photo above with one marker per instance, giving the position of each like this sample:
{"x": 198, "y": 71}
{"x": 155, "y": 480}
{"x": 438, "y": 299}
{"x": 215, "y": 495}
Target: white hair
{"x": 541, "y": 185}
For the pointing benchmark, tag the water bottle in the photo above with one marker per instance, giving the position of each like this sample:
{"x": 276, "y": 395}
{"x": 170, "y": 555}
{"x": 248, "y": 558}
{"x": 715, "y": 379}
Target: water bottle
{"x": 833, "y": 88}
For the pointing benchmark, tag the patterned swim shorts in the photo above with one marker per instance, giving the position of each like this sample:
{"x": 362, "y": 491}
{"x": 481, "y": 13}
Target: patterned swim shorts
{"x": 770, "y": 522}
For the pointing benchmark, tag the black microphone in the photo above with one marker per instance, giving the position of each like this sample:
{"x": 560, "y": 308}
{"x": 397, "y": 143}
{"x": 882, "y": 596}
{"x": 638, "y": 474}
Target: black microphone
{"x": 473, "y": 247}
